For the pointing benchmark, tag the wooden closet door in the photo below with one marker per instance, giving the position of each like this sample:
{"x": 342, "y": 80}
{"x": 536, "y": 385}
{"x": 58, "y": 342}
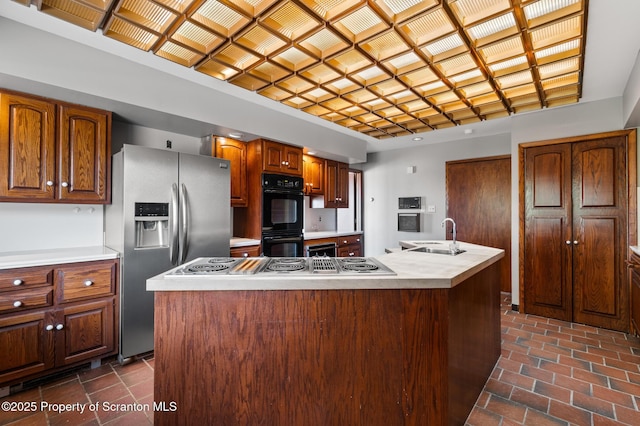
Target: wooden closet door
{"x": 547, "y": 237}
{"x": 479, "y": 200}
{"x": 600, "y": 291}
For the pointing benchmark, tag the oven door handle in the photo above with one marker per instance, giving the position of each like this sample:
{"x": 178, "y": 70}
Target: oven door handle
{"x": 284, "y": 240}
{"x": 283, "y": 192}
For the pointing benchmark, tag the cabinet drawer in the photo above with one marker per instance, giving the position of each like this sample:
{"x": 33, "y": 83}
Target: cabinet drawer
{"x": 349, "y": 239}
{"x": 15, "y": 301}
{"x": 81, "y": 282}
{"x": 13, "y": 279}
{"x": 246, "y": 251}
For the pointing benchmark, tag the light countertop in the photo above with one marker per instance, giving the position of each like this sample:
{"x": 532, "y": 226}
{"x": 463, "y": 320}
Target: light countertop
{"x": 635, "y": 249}
{"x": 21, "y": 259}
{"x": 413, "y": 270}
{"x": 315, "y": 235}
{"x": 243, "y": 242}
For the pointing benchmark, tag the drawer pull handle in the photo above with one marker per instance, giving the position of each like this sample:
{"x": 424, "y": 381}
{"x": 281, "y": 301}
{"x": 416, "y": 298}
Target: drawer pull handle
{"x": 49, "y": 183}
{"x": 18, "y": 282}
{"x": 49, "y": 327}
{"x": 65, "y": 184}
{"x": 17, "y": 304}
{"x": 88, "y": 283}
{"x": 59, "y": 327}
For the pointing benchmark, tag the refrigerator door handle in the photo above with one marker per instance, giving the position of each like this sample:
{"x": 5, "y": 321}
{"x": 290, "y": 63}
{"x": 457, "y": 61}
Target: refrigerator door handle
{"x": 173, "y": 247}
{"x": 184, "y": 215}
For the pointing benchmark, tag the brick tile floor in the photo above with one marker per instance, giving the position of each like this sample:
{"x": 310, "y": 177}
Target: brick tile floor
{"x": 554, "y": 372}
{"x": 550, "y": 373}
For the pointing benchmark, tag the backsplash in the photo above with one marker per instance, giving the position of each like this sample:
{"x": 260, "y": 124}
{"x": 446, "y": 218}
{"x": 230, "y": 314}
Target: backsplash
{"x": 34, "y": 226}
{"x": 318, "y": 220}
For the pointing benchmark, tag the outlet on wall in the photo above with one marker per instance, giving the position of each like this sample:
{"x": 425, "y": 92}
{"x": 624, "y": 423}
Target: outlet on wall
{"x": 431, "y": 209}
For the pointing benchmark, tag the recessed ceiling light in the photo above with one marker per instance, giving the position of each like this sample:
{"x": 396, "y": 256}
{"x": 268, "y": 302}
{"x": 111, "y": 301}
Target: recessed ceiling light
{"x": 311, "y": 153}
{"x": 235, "y": 135}
{"x": 417, "y": 138}
{"x": 468, "y": 131}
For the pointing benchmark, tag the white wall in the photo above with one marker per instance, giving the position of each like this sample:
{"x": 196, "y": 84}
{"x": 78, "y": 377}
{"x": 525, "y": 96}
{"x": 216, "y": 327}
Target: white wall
{"x": 386, "y": 179}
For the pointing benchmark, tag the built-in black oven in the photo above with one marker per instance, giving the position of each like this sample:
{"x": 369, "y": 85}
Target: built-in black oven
{"x": 282, "y": 215}
{"x": 283, "y": 245}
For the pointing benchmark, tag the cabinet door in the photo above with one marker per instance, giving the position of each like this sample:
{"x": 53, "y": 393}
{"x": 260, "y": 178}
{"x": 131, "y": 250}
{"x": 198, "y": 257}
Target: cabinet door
{"x": 601, "y": 292}
{"x": 635, "y": 300}
{"x": 84, "y": 154}
{"x": 331, "y": 184}
{"x": 27, "y": 345}
{"x": 548, "y": 256}
{"x": 236, "y": 152}
{"x": 272, "y": 157}
{"x": 292, "y": 160}
{"x": 27, "y": 148}
{"x": 342, "y": 186}
{"x": 313, "y": 175}
{"x": 85, "y": 331}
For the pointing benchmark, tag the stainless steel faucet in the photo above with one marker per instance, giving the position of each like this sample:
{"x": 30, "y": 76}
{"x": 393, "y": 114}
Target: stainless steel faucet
{"x": 454, "y": 244}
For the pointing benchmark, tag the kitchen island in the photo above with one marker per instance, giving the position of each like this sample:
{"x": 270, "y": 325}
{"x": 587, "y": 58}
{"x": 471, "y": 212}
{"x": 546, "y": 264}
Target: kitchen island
{"x": 414, "y": 348}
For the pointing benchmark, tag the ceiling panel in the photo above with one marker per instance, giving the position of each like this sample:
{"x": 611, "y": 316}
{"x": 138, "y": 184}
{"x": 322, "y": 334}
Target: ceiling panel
{"x": 381, "y": 67}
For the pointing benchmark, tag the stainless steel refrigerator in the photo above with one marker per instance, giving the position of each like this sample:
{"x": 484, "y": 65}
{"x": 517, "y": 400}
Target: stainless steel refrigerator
{"x": 167, "y": 208}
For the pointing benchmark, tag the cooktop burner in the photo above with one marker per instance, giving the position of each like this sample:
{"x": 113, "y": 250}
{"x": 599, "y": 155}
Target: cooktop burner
{"x": 362, "y": 265}
{"x": 286, "y": 264}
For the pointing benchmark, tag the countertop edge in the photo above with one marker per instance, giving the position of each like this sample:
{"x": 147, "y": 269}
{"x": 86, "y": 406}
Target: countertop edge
{"x": 29, "y": 258}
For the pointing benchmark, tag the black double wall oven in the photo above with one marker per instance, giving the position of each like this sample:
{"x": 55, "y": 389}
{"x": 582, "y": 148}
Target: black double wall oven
{"x": 282, "y": 215}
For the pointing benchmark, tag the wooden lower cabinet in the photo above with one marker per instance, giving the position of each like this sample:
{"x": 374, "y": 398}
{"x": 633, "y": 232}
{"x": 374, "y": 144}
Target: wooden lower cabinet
{"x": 349, "y": 246}
{"x": 634, "y": 282}
{"x": 246, "y": 251}
{"x": 77, "y": 323}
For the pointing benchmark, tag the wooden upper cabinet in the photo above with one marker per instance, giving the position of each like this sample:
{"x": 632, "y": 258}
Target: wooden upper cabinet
{"x": 280, "y": 158}
{"x": 27, "y": 148}
{"x": 84, "y": 154}
{"x": 313, "y": 175}
{"x": 53, "y": 152}
{"x": 236, "y": 152}
{"x": 336, "y": 191}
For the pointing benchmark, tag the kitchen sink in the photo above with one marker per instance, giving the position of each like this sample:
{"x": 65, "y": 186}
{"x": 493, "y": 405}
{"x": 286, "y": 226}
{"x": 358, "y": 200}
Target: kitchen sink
{"x": 438, "y": 251}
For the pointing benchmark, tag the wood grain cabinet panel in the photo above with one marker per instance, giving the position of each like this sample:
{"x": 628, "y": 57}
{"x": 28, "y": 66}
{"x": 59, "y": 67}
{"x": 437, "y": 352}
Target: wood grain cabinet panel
{"x": 53, "y": 152}
{"x": 634, "y": 279}
{"x": 27, "y": 148}
{"x": 66, "y": 316}
{"x": 281, "y": 158}
{"x": 84, "y": 153}
{"x": 336, "y": 193}
{"x": 89, "y": 331}
{"x": 246, "y": 251}
{"x": 27, "y": 345}
{"x": 236, "y": 152}
{"x": 576, "y": 232}
{"x": 313, "y": 175}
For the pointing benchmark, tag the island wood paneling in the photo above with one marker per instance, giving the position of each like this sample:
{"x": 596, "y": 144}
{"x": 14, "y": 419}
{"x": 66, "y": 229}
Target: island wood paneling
{"x": 324, "y": 357}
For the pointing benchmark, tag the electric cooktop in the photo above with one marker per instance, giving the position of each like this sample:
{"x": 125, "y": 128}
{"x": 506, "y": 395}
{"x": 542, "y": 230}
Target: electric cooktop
{"x": 282, "y": 265}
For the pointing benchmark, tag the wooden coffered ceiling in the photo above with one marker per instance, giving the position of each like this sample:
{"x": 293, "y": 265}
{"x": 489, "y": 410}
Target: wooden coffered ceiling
{"x": 384, "y": 68}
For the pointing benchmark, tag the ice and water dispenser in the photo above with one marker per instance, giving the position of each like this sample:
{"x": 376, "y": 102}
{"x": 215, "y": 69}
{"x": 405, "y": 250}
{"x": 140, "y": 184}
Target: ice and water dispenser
{"x": 152, "y": 225}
